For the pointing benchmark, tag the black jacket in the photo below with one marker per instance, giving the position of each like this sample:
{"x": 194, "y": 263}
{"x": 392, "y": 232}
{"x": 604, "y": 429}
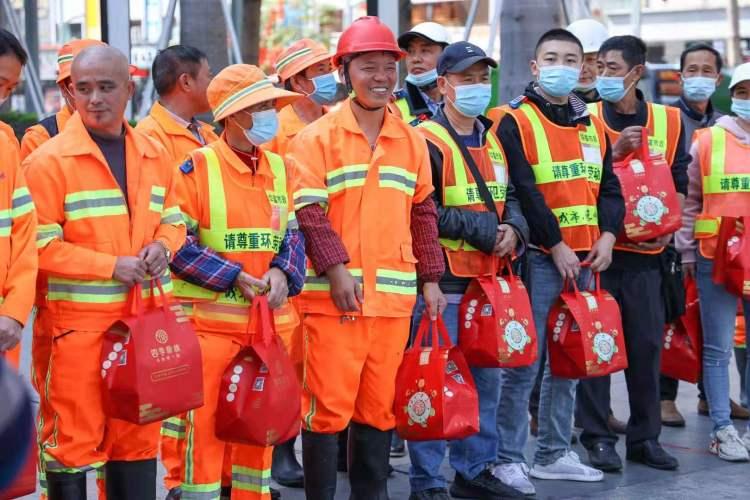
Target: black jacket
{"x": 479, "y": 229}
{"x": 416, "y": 102}
{"x": 545, "y": 228}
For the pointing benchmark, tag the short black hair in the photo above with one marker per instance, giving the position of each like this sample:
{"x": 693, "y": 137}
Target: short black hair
{"x": 632, "y": 48}
{"x": 698, "y": 47}
{"x": 173, "y": 61}
{"x": 9, "y": 44}
{"x": 558, "y": 34}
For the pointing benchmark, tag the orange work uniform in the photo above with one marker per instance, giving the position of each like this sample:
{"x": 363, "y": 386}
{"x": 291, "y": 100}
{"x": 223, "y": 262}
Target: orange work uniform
{"x": 37, "y": 134}
{"x": 8, "y": 132}
{"x": 179, "y": 141}
{"x": 215, "y": 179}
{"x": 85, "y": 224}
{"x": 350, "y": 360}
{"x": 17, "y": 242}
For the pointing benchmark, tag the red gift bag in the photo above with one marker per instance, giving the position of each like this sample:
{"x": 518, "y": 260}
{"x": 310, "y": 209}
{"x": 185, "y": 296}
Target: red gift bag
{"x": 435, "y": 393}
{"x": 584, "y": 334}
{"x": 652, "y": 208}
{"x": 683, "y": 342}
{"x": 732, "y": 258}
{"x": 259, "y": 397}
{"x": 496, "y": 326}
{"x": 151, "y": 362}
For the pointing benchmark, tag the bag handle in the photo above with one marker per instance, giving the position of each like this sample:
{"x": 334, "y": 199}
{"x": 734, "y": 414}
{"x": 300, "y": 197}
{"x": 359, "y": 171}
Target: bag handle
{"x": 438, "y": 329}
{"x": 644, "y": 152}
{"x": 261, "y": 311}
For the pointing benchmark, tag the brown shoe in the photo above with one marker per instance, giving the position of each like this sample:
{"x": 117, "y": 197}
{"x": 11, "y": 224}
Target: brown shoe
{"x": 615, "y": 425}
{"x": 670, "y": 415}
{"x": 703, "y": 407}
{"x": 739, "y": 412}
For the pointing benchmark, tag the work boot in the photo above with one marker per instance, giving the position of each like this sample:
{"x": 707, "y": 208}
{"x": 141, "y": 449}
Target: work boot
{"x": 703, "y": 407}
{"x": 66, "y": 486}
{"x": 285, "y": 469}
{"x": 226, "y": 493}
{"x": 369, "y": 450}
{"x": 130, "y": 480}
{"x": 670, "y": 415}
{"x": 343, "y": 439}
{"x": 175, "y": 494}
{"x": 319, "y": 453}
{"x": 615, "y": 424}
{"x": 738, "y": 411}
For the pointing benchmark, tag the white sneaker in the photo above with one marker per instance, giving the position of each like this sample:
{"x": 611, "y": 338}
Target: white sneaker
{"x": 726, "y": 443}
{"x": 567, "y": 468}
{"x": 746, "y": 439}
{"x": 516, "y": 476}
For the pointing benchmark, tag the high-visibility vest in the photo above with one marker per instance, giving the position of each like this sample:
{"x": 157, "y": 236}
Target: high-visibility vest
{"x": 663, "y": 124}
{"x": 403, "y": 106}
{"x": 567, "y": 164}
{"x": 725, "y": 171}
{"x": 460, "y": 191}
{"x": 253, "y": 246}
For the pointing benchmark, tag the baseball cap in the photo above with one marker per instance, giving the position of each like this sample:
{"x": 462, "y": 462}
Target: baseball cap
{"x": 460, "y": 55}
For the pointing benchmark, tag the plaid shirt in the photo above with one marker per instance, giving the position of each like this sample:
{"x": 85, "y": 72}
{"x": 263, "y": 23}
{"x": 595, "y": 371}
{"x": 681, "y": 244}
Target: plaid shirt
{"x": 202, "y": 266}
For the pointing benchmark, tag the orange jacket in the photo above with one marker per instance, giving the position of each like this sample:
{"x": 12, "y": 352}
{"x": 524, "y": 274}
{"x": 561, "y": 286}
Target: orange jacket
{"x": 368, "y": 195}
{"x": 36, "y": 135}
{"x": 85, "y": 223}
{"x": 176, "y": 139}
{"x": 240, "y": 215}
{"x": 8, "y": 132}
{"x": 17, "y": 237}
{"x": 290, "y": 125}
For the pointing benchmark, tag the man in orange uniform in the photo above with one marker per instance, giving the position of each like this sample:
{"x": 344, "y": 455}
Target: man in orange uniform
{"x": 304, "y": 67}
{"x": 360, "y": 173}
{"x": 12, "y": 60}
{"x": 109, "y": 217}
{"x": 50, "y": 126}
{"x": 181, "y": 75}
{"x": 252, "y": 248}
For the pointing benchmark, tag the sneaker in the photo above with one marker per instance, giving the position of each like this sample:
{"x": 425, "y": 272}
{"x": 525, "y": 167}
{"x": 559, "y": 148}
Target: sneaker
{"x": 726, "y": 443}
{"x": 484, "y": 486}
{"x": 431, "y": 494}
{"x": 746, "y": 439}
{"x": 516, "y": 476}
{"x": 567, "y": 468}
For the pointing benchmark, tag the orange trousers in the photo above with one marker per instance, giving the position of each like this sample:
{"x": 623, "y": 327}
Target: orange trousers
{"x": 350, "y": 367}
{"x": 205, "y": 464}
{"x": 81, "y": 437}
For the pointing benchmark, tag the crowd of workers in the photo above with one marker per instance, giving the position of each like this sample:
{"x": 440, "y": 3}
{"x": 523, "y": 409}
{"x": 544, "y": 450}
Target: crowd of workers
{"x": 359, "y": 207}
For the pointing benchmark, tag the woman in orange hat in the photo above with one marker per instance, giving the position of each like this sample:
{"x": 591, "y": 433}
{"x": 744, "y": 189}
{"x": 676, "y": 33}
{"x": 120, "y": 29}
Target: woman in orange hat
{"x": 255, "y": 246}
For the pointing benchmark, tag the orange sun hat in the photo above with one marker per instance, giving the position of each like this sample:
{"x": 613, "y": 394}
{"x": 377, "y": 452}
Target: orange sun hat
{"x": 67, "y": 53}
{"x": 299, "y": 56}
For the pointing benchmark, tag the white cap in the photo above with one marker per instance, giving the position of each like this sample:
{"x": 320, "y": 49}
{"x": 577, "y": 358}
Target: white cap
{"x": 433, "y": 32}
{"x": 591, "y": 34}
{"x": 741, "y": 73}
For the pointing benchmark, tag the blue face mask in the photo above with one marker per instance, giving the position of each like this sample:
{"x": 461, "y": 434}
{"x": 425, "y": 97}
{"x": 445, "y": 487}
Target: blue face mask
{"x": 325, "y": 89}
{"x": 423, "y": 79}
{"x": 612, "y": 88}
{"x": 472, "y": 100}
{"x": 558, "y": 81}
{"x": 265, "y": 126}
{"x": 698, "y": 88}
{"x": 741, "y": 108}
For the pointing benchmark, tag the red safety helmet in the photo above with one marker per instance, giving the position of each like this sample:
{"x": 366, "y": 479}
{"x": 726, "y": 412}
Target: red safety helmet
{"x": 366, "y": 34}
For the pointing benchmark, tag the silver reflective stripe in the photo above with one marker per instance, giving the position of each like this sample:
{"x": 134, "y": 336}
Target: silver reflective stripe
{"x": 5, "y": 222}
{"x": 157, "y": 198}
{"x": 200, "y": 495}
{"x": 55, "y": 466}
{"x": 310, "y": 199}
{"x": 95, "y": 203}
{"x": 380, "y": 280}
{"x": 252, "y": 480}
{"x": 88, "y": 289}
{"x": 387, "y": 176}
{"x": 172, "y": 219}
{"x": 322, "y": 280}
{"x": 346, "y": 176}
{"x": 21, "y": 200}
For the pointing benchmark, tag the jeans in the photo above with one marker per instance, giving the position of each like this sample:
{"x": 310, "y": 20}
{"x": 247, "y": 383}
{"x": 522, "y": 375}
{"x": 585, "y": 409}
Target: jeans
{"x": 718, "y": 341}
{"x": 468, "y": 456}
{"x": 557, "y": 397}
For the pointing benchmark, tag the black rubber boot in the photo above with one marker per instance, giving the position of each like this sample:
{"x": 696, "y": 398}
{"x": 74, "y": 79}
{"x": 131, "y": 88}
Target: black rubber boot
{"x": 343, "y": 440}
{"x": 66, "y": 486}
{"x": 174, "y": 494}
{"x": 131, "y": 480}
{"x": 319, "y": 460}
{"x": 369, "y": 451}
{"x": 285, "y": 469}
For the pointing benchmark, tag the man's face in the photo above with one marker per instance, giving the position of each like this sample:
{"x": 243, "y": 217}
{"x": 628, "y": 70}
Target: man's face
{"x": 302, "y": 82}
{"x": 476, "y": 73}
{"x": 589, "y": 70}
{"x": 373, "y": 77}
{"x": 422, "y": 56}
{"x": 101, "y": 90}
{"x": 742, "y": 90}
{"x": 199, "y": 85}
{"x": 557, "y": 53}
{"x": 10, "y": 74}
{"x": 700, "y": 63}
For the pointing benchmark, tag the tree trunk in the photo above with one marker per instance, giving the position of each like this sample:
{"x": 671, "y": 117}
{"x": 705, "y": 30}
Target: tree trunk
{"x": 250, "y": 32}
{"x": 202, "y": 26}
{"x": 521, "y": 25}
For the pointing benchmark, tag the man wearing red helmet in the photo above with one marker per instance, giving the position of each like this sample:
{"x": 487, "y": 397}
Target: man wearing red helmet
{"x": 358, "y": 174}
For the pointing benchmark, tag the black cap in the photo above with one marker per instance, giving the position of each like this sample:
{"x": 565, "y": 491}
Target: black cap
{"x": 460, "y": 55}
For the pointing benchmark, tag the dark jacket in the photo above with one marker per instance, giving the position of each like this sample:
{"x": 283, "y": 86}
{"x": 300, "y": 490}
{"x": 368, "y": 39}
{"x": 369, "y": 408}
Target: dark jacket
{"x": 479, "y": 229}
{"x": 545, "y": 228}
{"x": 416, "y": 102}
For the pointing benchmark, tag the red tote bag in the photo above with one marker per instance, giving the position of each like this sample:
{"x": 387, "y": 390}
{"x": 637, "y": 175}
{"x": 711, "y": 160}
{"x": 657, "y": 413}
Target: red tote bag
{"x": 683, "y": 340}
{"x": 584, "y": 334}
{"x": 732, "y": 258}
{"x": 260, "y": 397}
{"x": 151, "y": 362}
{"x": 435, "y": 393}
{"x": 652, "y": 208}
{"x": 496, "y": 326}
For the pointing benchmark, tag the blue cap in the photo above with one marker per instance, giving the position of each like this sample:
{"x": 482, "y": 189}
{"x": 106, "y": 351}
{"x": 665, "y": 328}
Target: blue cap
{"x": 460, "y": 55}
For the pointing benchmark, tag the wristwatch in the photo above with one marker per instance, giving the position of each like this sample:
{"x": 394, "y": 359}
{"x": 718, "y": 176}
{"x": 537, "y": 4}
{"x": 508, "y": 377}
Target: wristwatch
{"x": 167, "y": 251}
